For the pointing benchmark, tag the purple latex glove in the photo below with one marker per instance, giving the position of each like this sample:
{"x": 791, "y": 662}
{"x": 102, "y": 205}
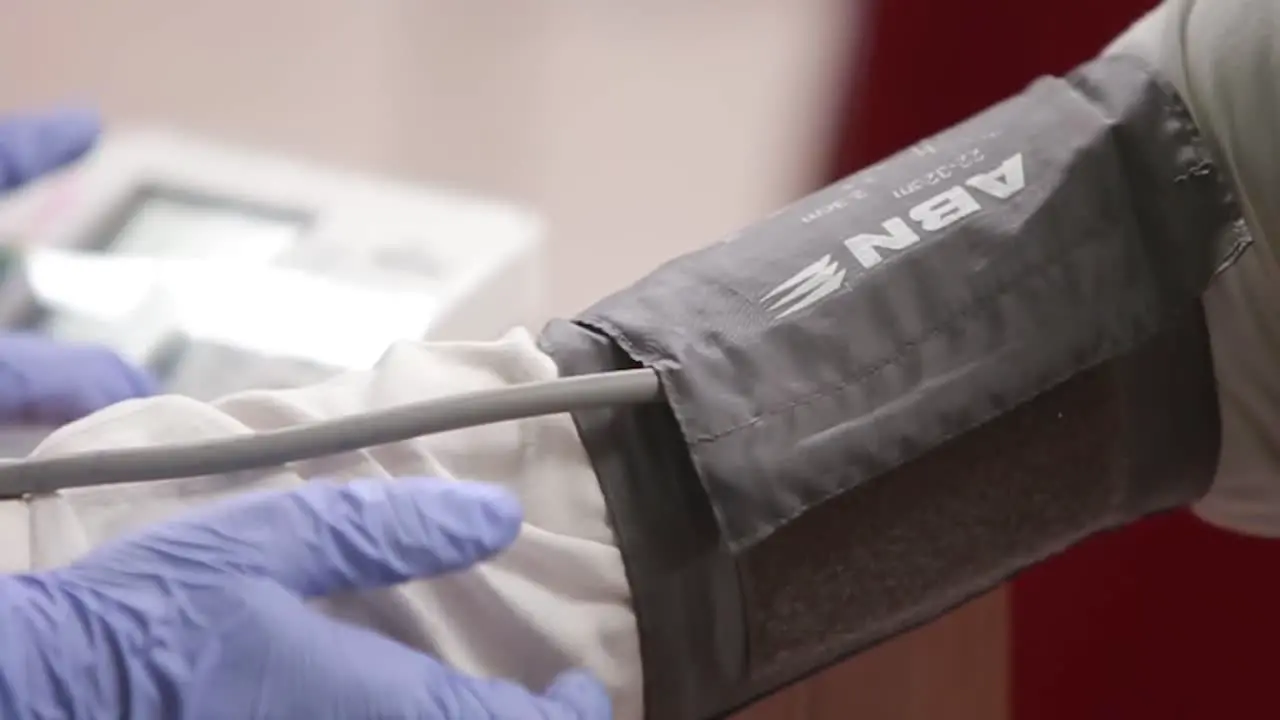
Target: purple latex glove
{"x": 42, "y": 381}
{"x": 46, "y": 382}
{"x": 204, "y": 618}
{"x": 37, "y": 144}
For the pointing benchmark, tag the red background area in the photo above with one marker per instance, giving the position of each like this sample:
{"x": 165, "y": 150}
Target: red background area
{"x": 1168, "y": 618}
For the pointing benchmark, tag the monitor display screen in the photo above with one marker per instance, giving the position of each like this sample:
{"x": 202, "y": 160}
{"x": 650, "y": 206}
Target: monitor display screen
{"x": 109, "y": 290}
{"x": 172, "y": 224}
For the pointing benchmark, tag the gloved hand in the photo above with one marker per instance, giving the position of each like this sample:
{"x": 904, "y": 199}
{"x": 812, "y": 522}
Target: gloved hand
{"x": 34, "y": 145}
{"x": 46, "y": 382}
{"x": 43, "y": 381}
{"x": 204, "y": 617}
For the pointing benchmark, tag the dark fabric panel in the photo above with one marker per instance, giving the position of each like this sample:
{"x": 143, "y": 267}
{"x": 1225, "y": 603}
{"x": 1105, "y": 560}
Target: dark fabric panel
{"x": 915, "y": 301}
{"x": 1135, "y": 436}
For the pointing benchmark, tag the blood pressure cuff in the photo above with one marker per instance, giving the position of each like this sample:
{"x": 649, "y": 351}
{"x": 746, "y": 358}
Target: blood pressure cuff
{"x": 894, "y": 394}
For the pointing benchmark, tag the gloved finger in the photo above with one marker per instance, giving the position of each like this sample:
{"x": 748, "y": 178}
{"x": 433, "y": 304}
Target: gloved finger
{"x": 83, "y": 390}
{"x": 408, "y": 683}
{"x": 141, "y": 382}
{"x": 107, "y": 378}
{"x": 32, "y": 145}
{"x": 575, "y": 695}
{"x": 43, "y": 403}
{"x": 326, "y": 538}
{"x": 94, "y": 395}
{"x": 581, "y": 692}
{"x": 132, "y": 382}
{"x": 58, "y": 406}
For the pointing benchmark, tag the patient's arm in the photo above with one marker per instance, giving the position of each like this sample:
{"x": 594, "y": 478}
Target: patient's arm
{"x": 1221, "y": 57}
{"x": 557, "y": 599}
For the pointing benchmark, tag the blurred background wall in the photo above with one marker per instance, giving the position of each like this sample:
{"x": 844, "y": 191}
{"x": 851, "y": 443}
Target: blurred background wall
{"x": 638, "y": 129}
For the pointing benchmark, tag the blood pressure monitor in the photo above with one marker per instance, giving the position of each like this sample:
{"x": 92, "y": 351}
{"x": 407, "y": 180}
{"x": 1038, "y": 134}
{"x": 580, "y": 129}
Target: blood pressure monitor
{"x": 222, "y": 269}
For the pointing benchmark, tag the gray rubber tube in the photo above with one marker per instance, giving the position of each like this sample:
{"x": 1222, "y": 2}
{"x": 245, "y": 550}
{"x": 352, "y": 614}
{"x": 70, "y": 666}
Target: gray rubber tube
{"x": 329, "y": 437}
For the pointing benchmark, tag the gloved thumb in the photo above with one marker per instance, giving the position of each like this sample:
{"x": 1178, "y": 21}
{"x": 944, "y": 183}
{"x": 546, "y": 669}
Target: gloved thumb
{"x": 583, "y": 693}
{"x": 32, "y": 145}
{"x": 574, "y": 695}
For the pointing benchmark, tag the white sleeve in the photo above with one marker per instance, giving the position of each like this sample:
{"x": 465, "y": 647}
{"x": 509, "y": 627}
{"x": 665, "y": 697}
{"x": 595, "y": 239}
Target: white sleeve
{"x": 557, "y": 599}
{"x": 1224, "y": 58}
